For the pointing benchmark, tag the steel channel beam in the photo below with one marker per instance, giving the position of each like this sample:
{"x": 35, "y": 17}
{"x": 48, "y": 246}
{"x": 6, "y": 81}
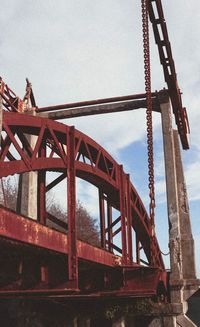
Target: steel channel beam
{"x": 71, "y": 208}
{"x": 102, "y": 218}
{"x": 128, "y": 214}
{"x": 95, "y": 102}
{"x": 123, "y": 213}
{"x": 99, "y": 109}
{"x": 30, "y": 232}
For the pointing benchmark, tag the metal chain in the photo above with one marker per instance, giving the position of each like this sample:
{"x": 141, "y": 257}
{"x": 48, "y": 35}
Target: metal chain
{"x": 147, "y": 73}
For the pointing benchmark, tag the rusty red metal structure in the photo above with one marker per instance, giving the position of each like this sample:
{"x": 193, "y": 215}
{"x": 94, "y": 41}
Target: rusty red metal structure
{"x": 65, "y": 150}
{"x": 37, "y": 260}
{"x": 157, "y": 18}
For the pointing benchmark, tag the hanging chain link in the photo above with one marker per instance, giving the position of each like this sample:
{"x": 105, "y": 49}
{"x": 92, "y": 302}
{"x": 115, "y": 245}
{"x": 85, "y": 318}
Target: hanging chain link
{"x": 147, "y": 73}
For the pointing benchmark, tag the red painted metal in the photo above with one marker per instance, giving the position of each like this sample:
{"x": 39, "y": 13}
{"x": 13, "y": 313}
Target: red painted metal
{"x": 71, "y": 207}
{"x": 129, "y": 225}
{"x": 123, "y": 214}
{"x": 41, "y": 205}
{"x": 109, "y": 228}
{"x": 60, "y": 148}
{"x": 63, "y": 149}
{"x": 137, "y": 250}
{"x": 102, "y": 219}
{"x": 162, "y": 40}
{"x": 92, "y": 163}
{"x": 26, "y": 231}
{"x": 10, "y": 100}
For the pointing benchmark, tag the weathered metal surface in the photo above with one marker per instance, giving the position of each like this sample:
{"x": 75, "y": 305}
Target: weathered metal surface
{"x": 30, "y": 232}
{"x": 162, "y": 40}
{"x": 71, "y": 208}
{"x": 13, "y": 103}
{"x": 102, "y": 219}
{"x": 94, "y": 102}
{"x": 61, "y": 148}
{"x": 91, "y": 161}
{"x": 99, "y": 109}
{"x": 1, "y": 114}
{"x": 16, "y": 227}
{"x": 122, "y": 203}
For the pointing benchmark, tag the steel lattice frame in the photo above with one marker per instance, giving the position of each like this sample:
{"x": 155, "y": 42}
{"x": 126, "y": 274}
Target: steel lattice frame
{"x": 63, "y": 149}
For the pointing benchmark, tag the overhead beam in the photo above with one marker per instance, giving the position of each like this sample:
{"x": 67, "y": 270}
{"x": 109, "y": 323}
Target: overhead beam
{"x": 94, "y": 102}
{"x": 99, "y": 109}
{"x": 1, "y": 116}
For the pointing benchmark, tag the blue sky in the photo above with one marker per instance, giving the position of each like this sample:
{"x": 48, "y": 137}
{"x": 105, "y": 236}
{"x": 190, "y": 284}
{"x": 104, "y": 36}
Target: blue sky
{"x": 75, "y": 50}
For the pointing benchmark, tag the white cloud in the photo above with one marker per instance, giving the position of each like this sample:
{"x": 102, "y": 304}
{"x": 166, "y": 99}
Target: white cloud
{"x": 192, "y": 174}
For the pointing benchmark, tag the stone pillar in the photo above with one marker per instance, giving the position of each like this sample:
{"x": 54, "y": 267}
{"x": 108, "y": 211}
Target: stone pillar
{"x": 27, "y": 191}
{"x": 183, "y": 280}
{"x": 187, "y": 242}
{"x": 172, "y": 197}
{"x": 191, "y": 283}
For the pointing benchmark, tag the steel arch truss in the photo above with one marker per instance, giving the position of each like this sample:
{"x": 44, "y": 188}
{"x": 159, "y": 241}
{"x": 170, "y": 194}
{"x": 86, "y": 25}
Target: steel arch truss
{"x": 61, "y": 148}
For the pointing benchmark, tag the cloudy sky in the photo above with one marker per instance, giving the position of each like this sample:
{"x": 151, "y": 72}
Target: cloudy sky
{"x": 74, "y": 50}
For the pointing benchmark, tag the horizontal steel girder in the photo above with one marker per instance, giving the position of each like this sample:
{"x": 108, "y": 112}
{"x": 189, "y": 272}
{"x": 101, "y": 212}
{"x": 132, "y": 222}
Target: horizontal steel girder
{"x": 17, "y": 228}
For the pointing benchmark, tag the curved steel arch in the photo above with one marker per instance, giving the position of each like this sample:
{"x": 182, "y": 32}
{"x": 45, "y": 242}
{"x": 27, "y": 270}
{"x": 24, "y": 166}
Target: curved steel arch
{"x": 62, "y": 148}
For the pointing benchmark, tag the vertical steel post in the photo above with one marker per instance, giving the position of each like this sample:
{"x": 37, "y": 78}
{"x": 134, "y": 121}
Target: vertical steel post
{"x": 1, "y": 116}
{"x": 1, "y": 123}
{"x": 102, "y": 219}
{"x": 109, "y": 221}
{"x": 44, "y": 274}
{"x": 41, "y": 203}
{"x": 122, "y": 213}
{"x": 41, "y": 198}
{"x": 129, "y": 218}
{"x": 41, "y": 207}
{"x": 137, "y": 250}
{"x": 71, "y": 208}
